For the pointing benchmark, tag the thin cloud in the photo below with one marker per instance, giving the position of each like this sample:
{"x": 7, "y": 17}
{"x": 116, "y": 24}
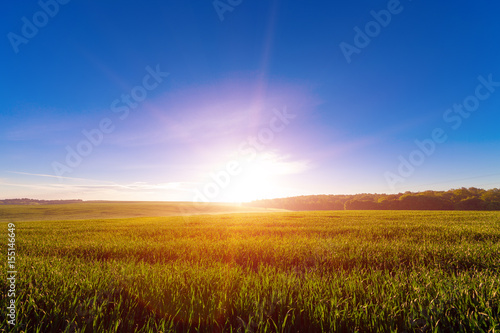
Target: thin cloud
{"x": 58, "y": 177}
{"x": 133, "y": 187}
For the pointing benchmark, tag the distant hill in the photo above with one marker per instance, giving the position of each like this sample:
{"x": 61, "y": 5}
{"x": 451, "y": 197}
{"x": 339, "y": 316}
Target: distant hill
{"x": 455, "y": 199}
{"x": 26, "y": 201}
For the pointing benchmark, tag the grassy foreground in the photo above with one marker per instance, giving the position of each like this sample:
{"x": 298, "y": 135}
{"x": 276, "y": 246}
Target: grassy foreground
{"x": 341, "y": 271}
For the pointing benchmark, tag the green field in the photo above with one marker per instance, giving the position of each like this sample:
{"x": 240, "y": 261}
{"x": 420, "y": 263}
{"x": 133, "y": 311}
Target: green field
{"x": 119, "y": 209}
{"x": 413, "y": 271}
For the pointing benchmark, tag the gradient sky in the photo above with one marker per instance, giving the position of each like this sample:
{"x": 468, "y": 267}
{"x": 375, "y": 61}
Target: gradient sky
{"x": 262, "y": 98}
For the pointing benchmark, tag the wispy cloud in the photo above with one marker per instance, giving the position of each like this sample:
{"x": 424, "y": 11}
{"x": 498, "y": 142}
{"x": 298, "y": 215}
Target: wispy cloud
{"x": 231, "y": 109}
{"x": 53, "y": 176}
{"x": 275, "y": 164}
{"x": 89, "y": 189}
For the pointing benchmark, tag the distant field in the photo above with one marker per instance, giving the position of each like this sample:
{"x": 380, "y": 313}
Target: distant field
{"x": 119, "y": 209}
{"x": 342, "y": 271}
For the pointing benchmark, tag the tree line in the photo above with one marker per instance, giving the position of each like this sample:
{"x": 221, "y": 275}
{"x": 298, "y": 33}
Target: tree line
{"x": 26, "y": 201}
{"x": 455, "y": 199}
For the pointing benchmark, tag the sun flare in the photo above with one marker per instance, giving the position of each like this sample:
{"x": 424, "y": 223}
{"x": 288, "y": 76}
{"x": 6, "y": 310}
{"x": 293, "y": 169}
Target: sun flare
{"x": 260, "y": 179}
{"x": 251, "y": 185}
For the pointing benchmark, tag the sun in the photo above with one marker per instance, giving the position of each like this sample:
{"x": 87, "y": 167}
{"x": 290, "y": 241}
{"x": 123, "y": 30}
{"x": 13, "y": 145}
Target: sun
{"x": 254, "y": 182}
{"x": 265, "y": 176}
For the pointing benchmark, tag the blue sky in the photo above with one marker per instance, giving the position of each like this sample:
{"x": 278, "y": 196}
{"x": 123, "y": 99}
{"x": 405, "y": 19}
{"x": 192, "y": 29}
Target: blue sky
{"x": 239, "y": 100}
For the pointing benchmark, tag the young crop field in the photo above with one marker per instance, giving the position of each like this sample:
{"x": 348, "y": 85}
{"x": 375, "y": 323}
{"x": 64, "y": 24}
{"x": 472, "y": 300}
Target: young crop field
{"x": 328, "y": 271}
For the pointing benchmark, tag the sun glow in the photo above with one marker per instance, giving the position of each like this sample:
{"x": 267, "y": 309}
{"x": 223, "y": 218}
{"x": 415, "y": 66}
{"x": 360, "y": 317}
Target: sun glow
{"x": 261, "y": 179}
{"x": 254, "y": 183}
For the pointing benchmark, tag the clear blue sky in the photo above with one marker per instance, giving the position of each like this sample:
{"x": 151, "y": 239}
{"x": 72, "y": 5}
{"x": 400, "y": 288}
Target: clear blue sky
{"x": 238, "y": 100}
